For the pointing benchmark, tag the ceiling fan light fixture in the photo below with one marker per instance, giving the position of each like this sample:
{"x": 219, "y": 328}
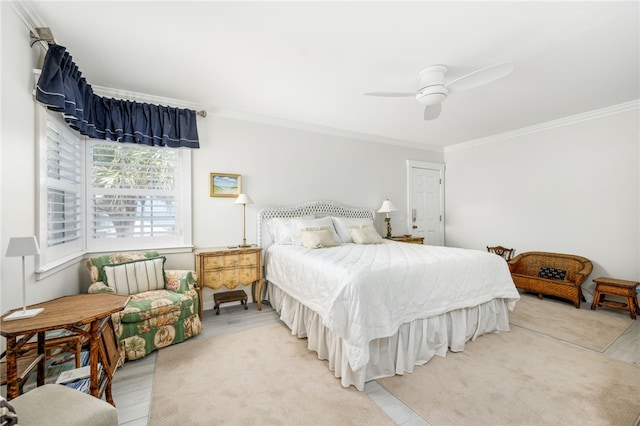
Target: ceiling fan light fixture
{"x": 432, "y": 95}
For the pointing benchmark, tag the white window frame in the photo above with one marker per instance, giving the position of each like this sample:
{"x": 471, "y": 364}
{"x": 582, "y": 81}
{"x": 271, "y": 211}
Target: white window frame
{"x": 181, "y": 192}
{"x": 52, "y": 259}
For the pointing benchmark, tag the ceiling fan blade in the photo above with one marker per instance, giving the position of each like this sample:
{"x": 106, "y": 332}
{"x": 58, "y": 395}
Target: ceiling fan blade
{"x": 432, "y": 112}
{"x": 480, "y": 77}
{"x": 391, "y": 94}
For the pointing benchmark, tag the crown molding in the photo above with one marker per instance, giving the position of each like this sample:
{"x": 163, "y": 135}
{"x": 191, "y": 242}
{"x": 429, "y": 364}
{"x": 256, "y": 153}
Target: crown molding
{"x": 27, "y": 14}
{"x": 566, "y": 121}
{"x": 313, "y": 128}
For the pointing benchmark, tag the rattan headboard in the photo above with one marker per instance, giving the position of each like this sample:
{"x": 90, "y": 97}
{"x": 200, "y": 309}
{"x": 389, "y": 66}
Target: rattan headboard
{"x": 317, "y": 208}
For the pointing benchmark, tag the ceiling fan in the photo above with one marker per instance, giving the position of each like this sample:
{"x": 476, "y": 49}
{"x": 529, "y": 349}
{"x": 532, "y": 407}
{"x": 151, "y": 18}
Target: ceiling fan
{"x": 433, "y": 90}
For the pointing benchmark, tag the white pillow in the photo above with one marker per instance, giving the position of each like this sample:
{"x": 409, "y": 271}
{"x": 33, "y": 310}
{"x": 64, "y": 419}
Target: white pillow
{"x": 298, "y": 225}
{"x": 319, "y": 238}
{"x": 136, "y": 277}
{"x": 280, "y": 230}
{"x": 366, "y": 235}
{"x": 344, "y": 224}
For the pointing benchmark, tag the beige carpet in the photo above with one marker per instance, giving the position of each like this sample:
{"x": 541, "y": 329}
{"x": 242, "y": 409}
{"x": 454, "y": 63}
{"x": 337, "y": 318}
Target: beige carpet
{"x": 583, "y": 327}
{"x": 521, "y": 378}
{"x": 261, "y": 376}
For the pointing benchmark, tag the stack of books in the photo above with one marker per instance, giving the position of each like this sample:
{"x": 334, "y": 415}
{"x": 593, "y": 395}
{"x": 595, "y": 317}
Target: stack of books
{"x": 78, "y": 378}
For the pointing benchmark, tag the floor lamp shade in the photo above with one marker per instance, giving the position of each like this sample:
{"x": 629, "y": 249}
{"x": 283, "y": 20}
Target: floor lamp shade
{"x": 244, "y": 200}
{"x": 22, "y": 247}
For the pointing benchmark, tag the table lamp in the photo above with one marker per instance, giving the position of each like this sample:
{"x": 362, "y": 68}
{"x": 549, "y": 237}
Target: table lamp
{"x": 23, "y": 246}
{"x": 244, "y": 200}
{"x": 387, "y": 207}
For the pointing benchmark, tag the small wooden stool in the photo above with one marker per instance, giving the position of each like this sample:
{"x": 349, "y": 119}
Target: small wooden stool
{"x": 230, "y": 296}
{"x": 616, "y": 287}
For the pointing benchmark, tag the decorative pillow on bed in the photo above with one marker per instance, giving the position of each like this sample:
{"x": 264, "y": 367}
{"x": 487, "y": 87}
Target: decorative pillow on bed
{"x": 317, "y": 238}
{"x": 280, "y": 230}
{"x": 344, "y": 224}
{"x": 552, "y": 273}
{"x": 136, "y": 276}
{"x": 366, "y": 235}
{"x": 298, "y": 225}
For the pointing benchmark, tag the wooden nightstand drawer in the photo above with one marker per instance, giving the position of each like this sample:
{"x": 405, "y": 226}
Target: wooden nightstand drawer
{"x": 230, "y": 278}
{"x": 212, "y": 263}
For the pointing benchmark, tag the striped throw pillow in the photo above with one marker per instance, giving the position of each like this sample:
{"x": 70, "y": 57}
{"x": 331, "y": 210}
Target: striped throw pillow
{"x": 135, "y": 277}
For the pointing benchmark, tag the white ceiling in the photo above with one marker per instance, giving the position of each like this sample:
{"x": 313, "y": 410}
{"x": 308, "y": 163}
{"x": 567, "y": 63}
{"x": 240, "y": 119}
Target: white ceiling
{"x": 310, "y": 62}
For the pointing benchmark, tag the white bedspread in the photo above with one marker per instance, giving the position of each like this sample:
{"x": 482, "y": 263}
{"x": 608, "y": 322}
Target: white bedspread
{"x": 365, "y": 292}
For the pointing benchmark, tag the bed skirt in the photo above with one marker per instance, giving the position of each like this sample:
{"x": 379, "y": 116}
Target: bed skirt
{"x": 415, "y": 343}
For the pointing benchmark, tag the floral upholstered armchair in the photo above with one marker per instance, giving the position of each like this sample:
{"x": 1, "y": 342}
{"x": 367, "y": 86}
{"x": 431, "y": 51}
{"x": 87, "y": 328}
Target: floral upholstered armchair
{"x": 163, "y": 308}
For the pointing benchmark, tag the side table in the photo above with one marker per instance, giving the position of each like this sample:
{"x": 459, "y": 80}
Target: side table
{"x": 218, "y": 267}
{"x": 83, "y": 314}
{"x": 611, "y": 286}
{"x": 408, "y": 239}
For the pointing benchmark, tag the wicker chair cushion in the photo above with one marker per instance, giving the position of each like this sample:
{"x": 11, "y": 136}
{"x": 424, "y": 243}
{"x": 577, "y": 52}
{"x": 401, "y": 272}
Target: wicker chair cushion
{"x": 552, "y": 273}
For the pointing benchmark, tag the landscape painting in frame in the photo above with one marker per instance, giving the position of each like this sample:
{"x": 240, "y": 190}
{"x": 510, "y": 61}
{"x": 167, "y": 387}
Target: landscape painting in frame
{"x": 225, "y": 185}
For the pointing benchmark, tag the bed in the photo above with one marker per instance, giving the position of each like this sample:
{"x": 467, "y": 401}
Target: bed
{"x": 373, "y": 307}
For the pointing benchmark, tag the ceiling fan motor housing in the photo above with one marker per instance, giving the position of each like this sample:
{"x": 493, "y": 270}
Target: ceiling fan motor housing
{"x": 431, "y": 83}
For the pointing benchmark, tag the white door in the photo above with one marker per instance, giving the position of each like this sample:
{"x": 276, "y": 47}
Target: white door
{"x": 425, "y": 201}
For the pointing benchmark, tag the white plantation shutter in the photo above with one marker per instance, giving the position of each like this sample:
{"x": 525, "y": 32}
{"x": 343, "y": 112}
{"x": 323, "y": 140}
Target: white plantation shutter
{"x": 61, "y": 216}
{"x": 135, "y": 196}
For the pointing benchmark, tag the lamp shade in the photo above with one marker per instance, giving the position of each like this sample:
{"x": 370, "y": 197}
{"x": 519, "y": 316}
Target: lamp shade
{"x": 22, "y": 246}
{"x": 243, "y": 199}
{"x": 387, "y": 207}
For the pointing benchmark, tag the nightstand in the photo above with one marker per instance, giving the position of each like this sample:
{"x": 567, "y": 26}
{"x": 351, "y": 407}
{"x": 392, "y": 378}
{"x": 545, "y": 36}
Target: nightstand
{"x": 408, "y": 239}
{"x": 221, "y": 266}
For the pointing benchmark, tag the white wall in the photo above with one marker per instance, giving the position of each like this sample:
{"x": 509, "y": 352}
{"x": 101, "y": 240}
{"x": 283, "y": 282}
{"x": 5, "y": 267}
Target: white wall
{"x": 571, "y": 189}
{"x": 18, "y": 181}
{"x": 282, "y": 166}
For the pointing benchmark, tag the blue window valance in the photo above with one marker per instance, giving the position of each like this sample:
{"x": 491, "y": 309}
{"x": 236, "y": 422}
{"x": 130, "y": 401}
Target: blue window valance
{"x": 62, "y": 88}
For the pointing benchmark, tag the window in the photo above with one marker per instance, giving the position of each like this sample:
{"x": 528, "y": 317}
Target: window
{"x": 61, "y": 233}
{"x": 134, "y": 194}
{"x": 100, "y": 196}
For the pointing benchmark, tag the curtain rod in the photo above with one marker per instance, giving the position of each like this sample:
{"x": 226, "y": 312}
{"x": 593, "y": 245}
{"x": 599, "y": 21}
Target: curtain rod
{"x": 44, "y": 35}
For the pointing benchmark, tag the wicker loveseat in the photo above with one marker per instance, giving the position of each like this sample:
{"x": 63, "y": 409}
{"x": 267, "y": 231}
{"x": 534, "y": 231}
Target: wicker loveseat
{"x": 163, "y": 309}
{"x": 553, "y": 274}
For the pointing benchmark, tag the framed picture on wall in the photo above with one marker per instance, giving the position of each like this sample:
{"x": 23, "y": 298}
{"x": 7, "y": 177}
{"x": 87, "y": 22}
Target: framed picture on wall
{"x": 225, "y": 185}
